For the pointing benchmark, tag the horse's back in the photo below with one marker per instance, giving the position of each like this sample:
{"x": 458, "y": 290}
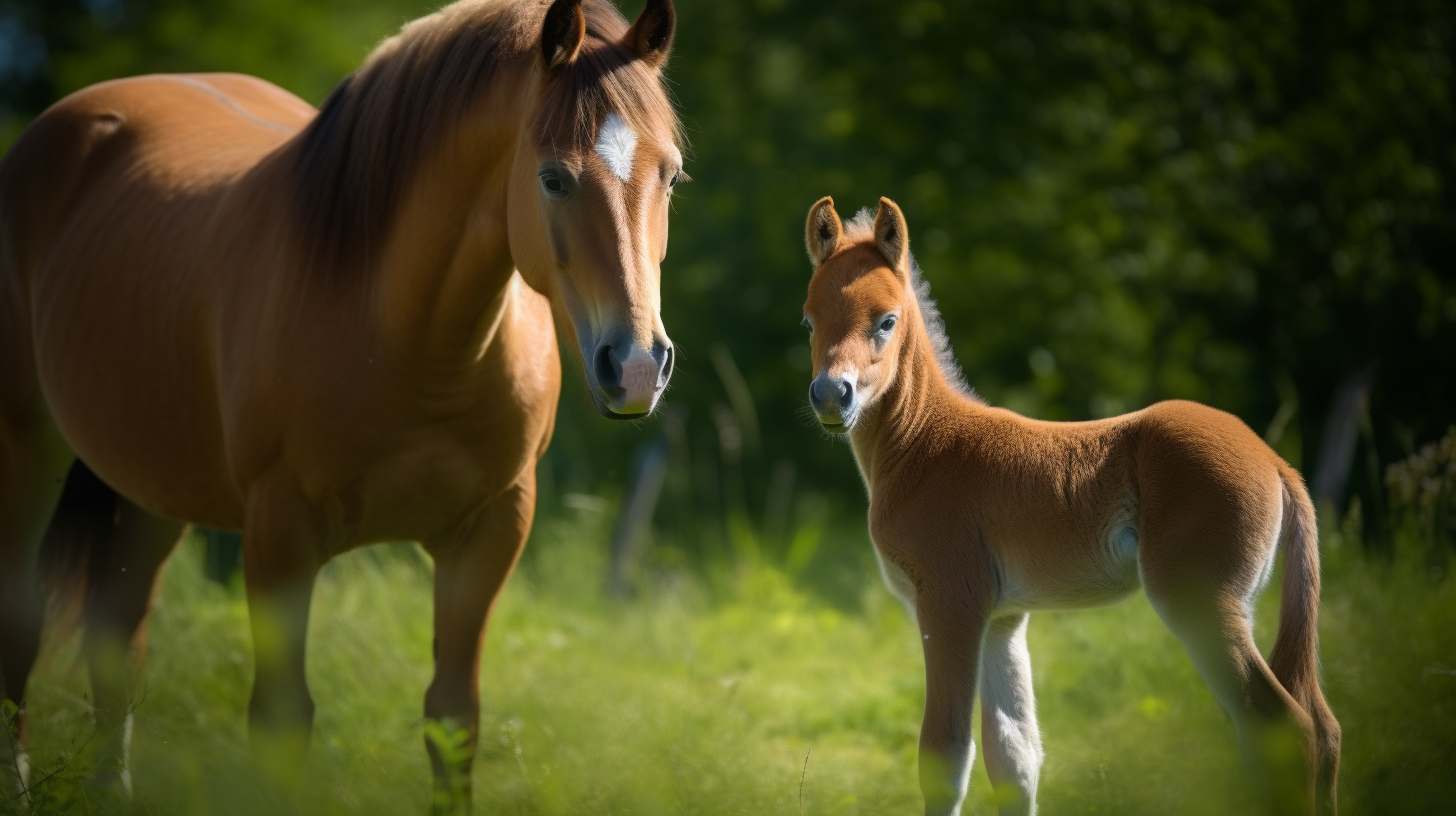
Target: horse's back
{"x": 108, "y": 275}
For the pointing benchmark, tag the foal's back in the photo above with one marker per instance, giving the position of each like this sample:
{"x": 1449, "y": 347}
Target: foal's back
{"x": 1069, "y": 513}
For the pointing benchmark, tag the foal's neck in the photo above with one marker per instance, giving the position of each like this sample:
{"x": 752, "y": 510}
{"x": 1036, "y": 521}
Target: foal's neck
{"x": 912, "y": 413}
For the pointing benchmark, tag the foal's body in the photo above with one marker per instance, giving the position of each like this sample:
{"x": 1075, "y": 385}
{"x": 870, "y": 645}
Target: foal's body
{"x": 980, "y": 516}
{"x": 323, "y": 328}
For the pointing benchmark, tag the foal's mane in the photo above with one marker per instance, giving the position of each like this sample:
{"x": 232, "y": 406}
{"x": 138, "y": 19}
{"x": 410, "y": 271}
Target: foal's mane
{"x": 862, "y": 228}
{"x": 377, "y": 127}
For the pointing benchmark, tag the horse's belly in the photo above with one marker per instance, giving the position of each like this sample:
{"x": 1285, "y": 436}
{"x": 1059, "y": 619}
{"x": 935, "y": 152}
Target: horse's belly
{"x": 129, "y": 386}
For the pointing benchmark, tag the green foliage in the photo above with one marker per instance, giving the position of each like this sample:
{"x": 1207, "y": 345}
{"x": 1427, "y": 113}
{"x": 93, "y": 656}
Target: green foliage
{"x": 1116, "y": 201}
{"x": 1423, "y": 492}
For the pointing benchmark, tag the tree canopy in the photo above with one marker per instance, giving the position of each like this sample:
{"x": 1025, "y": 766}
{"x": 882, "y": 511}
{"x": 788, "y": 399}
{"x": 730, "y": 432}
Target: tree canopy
{"x": 1115, "y": 201}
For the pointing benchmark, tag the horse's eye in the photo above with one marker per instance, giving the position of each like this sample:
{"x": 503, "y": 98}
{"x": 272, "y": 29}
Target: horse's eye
{"x": 808, "y": 325}
{"x": 887, "y": 324}
{"x": 552, "y": 183}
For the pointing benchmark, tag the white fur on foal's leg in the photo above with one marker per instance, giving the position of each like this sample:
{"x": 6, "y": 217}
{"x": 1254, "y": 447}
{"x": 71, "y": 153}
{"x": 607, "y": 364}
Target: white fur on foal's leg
{"x": 1008, "y": 714}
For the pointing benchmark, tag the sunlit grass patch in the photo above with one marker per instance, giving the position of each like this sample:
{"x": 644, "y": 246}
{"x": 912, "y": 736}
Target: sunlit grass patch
{"x": 704, "y": 695}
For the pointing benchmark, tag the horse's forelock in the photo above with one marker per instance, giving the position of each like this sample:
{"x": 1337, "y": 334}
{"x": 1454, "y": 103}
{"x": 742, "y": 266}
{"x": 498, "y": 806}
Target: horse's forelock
{"x": 606, "y": 78}
{"x": 377, "y": 127}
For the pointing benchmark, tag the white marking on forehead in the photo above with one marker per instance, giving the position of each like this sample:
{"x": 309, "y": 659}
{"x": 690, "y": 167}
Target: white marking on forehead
{"x": 616, "y": 143}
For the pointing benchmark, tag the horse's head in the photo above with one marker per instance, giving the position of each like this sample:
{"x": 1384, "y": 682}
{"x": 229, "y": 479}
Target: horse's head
{"x": 860, "y": 292}
{"x": 590, "y": 186}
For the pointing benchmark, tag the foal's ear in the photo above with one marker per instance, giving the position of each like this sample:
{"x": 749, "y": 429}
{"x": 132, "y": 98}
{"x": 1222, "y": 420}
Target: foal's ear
{"x": 823, "y": 231}
{"x": 562, "y": 33}
{"x": 892, "y": 235}
{"x": 651, "y": 36}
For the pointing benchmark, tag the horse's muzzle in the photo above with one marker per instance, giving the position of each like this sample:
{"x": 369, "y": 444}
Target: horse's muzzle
{"x": 628, "y": 379}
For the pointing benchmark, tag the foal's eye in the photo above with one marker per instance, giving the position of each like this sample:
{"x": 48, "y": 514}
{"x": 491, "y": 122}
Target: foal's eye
{"x": 887, "y": 324}
{"x": 807, "y": 325}
{"x": 552, "y": 183}
{"x": 677, "y": 178}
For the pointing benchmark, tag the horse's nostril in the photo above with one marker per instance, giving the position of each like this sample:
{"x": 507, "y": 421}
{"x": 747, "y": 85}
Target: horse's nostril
{"x": 814, "y": 398}
{"x": 665, "y": 372}
{"x": 606, "y": 367}
{"x": 846, "y": 391}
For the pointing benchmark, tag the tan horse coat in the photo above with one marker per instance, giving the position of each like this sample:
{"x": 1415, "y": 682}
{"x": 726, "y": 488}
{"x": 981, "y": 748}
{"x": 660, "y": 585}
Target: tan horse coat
{"x": 980, "y": 516}
{"x": 325, "y": 329}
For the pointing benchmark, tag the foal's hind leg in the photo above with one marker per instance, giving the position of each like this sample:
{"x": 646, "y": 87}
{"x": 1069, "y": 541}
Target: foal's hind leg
{"x": 1272, "y": 728}
{"x": 1008, "y": 714}
{"x": 123, "y": 580}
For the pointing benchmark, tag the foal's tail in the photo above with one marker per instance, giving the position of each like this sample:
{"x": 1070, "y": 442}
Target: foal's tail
{"x": 1295, "y": 658}
{"x": 77, "y": 542}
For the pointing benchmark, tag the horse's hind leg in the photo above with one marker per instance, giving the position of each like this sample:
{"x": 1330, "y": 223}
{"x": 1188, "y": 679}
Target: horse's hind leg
{"x": 123, "y": 579}
{"x": 32, "y": 469}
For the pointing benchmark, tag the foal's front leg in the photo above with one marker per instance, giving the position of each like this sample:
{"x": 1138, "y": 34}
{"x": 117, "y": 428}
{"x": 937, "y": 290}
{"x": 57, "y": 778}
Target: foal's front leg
{"x": 951, "y": 626}
{"x": 1008, "y": 715}
{"x": 469, "y": 574}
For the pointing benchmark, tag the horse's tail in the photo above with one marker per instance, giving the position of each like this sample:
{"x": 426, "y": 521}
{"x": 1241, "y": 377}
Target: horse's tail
{"x": 77, "y": 542}
{"x": 1295, "y": 658}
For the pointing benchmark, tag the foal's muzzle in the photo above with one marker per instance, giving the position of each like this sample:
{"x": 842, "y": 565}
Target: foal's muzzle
{"x": 627, "y": 380}
{"x": 833, "y": 400}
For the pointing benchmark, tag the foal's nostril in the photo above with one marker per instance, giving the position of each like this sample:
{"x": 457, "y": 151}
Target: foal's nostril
{"x": 607, "y": 367}
{"x": 846, "y": 393}
{"x": 814, "y": 399}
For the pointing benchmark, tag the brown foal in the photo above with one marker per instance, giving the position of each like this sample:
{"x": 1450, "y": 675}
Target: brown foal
{"x": 980, "y": 516}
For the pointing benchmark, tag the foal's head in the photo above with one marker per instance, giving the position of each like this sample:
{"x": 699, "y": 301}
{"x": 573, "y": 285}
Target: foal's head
{"x": 861, "y": 291}
{"x": 589, "y": 190}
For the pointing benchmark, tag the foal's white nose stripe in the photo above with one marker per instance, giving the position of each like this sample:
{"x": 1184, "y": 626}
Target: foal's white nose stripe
{"x": 616, "y": 144}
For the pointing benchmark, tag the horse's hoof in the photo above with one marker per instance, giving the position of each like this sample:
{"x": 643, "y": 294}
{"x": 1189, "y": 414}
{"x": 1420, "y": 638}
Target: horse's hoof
{"x": 115, "y": 781}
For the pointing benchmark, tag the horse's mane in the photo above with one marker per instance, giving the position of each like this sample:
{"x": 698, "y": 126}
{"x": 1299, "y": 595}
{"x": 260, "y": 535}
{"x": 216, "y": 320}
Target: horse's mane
{"x": 377, "y": 127}
{"x": 861, "y": 228}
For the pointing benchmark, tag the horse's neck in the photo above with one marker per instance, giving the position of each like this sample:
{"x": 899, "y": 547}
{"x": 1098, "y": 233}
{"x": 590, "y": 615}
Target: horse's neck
{"x": 444, "y": 270}
{"x": 907, "y": 417}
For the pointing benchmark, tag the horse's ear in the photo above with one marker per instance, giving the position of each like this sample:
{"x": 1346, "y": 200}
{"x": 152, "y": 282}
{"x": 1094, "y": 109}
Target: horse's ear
{"x": 892, "y": 235}
{"x": 823, "y": 231}
{"x": 562, "y": 33}
{"x": 651, "y": 36}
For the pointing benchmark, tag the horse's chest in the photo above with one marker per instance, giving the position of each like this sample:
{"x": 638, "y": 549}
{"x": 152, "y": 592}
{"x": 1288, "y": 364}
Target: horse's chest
{"x": 426, "y": 489}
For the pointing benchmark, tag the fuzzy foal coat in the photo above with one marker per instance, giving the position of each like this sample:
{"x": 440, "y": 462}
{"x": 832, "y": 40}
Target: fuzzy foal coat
{"x": 980, "y": 515}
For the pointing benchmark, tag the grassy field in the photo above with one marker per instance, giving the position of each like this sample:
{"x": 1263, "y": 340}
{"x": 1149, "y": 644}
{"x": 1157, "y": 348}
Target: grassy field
{"x": 705, "y": 695}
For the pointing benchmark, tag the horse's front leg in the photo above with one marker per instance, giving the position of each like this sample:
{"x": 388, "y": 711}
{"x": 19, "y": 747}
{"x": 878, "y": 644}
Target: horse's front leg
{"x": 469, "y": 573}
{"x": 952, "y": 623}
{"x": 282, "y": 553}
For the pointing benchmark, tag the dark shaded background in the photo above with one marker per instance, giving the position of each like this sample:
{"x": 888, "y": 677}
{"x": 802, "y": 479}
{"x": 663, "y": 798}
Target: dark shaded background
{"x": 1244, "y": 203}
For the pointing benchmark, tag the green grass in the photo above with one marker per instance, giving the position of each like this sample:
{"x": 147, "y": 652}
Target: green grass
{"x": 705, "y": 694}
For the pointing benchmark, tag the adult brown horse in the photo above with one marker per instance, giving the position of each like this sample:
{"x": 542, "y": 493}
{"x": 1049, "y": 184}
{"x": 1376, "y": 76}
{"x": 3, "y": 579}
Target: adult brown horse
{"x": 323, "y": 328}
